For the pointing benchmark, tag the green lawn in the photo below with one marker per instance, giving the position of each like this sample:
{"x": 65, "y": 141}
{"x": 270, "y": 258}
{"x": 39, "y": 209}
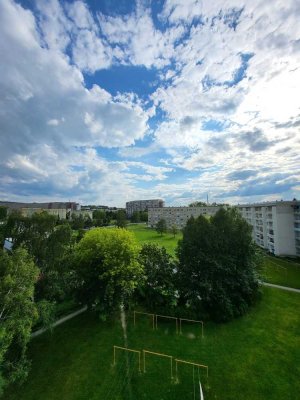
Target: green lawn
{"x": 256, "y": 357}
{"x": 282, "y": 272}
{"x": 145, "y": 235}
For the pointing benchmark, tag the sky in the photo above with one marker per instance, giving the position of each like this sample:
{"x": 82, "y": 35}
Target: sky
{"x": 104, "y": 102}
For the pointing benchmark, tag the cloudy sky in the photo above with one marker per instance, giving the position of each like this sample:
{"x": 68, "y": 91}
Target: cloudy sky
{"x": 109, "y": 101}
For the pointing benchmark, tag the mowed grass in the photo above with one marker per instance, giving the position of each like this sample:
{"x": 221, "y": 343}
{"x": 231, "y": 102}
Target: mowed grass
{"x": 281, "y": 272}
{"x": 254, "y": 357}
{"x": 149, "y": 235}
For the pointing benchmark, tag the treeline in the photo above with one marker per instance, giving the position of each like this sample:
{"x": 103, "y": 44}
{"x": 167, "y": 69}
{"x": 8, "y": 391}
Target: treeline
{"x": 214, "y": 276}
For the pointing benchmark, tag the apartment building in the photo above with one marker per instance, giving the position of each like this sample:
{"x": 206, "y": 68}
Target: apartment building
{"x": 142, "y": 205}
{"x": 178, "y": 216}
{"x": 60, "y": 213}
{"x": 276, "y": 225}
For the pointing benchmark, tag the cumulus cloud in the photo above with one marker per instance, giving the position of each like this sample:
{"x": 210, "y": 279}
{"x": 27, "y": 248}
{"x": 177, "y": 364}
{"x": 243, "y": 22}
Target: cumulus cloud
{"x": 225, "y": 111}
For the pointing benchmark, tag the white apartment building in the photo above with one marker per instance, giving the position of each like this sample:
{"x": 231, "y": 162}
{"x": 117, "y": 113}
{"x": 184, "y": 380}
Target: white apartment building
{"x": 178, "y": 216}
{"x": 276, "y": 225}
{"x": 142, "y": 205}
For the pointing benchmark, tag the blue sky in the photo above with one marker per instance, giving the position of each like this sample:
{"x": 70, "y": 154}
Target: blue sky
{"x": 109, "y": 101}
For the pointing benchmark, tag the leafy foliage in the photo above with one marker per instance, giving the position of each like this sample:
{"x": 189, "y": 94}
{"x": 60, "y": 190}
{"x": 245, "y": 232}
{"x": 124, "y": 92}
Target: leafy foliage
{"x": 174, "y": 230}
{"x": 161, "y": 226}
{"x": 49, "y": 244}
{"x": 106, "y": 262}
{"x": 3, "y": 213}
{"x": 217, "y": 265}
{"x": 158, "y": 289}
{"x": 18, "y": 312}
{"x": 121, "y": 221}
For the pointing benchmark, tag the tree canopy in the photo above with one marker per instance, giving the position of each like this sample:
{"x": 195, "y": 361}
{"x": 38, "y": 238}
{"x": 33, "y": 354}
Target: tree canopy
{"x": 217, "y": 265}
{"x": 18, "y": 275}
{"x": 107, "y": 267}
{"x": 158, "y": 289}
{"x": 161, "y": 226}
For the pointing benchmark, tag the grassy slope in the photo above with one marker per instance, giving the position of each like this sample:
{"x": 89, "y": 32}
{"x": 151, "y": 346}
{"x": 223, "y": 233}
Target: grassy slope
{"x": 282, "y": 272}
{"x": 255, "y": 357}
{"x": 146, "y": 235}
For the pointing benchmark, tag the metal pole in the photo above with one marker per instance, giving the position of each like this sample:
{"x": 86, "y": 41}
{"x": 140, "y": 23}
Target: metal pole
{"x": 139, "y": 361}
{"x": 144, "y": 360}
{"x": 114, "y": 355}
{"x": 171, "y": 367}
{"x": 176, "y": 370}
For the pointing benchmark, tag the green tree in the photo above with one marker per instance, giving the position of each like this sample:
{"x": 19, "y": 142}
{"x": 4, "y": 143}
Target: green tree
{"x": 18, "y": 312}
{"x": 161, "y": 226}
{"x": 174, "y": 230}
{"x": 144, "y": 216}
{"x": 99, "y": 218}
{"x": 198, "y": 204}
{"x": 3, "y": 213}
{"x": 49, "y": 245}
{"x": 158, "y": 289}
{"x": 218, "y": 265}
{"x": 136, "y": 217}
{"x": 107, "y": 267}
{"x": 121, "y": 221}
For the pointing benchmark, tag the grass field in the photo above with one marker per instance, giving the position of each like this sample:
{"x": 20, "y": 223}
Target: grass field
{"x": 254, "y": 357}
{"x": 148, "y": 235}
{"x": 282, "y": 272}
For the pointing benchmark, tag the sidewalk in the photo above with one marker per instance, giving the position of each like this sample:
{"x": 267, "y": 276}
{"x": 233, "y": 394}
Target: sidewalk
{"x": 289, "y": 289}
{"x": 59, "y": 321}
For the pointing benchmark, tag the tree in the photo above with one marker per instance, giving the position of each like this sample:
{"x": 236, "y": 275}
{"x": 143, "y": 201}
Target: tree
{"x": 107, "y": 268}
{"x": 3, "y": 213}
{"x": 121, "y": 221}
{"x": 161, "y": 226}
{"x": 49, "y": 245}
{"x": 136, "y": 217}
{"x": 218, "y": 265}
{"x": 174, "y": 230}
{"x": 144, "y": 216}
{"x": 158, "y": 288}
{"x": 198, "y": 204}
{"x": 18, "y": 312}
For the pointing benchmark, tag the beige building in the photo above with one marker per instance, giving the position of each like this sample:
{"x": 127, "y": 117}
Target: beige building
{"x": 178, "y": 216}
{"x": 60, "y": 213}
{"x": 276, "y": 225}
{"x": 142, "y": 205}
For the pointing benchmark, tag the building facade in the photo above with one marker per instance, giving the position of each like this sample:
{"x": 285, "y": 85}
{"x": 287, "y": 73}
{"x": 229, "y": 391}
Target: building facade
{"x": 178, "y": 216}
{"x": 142, "y": 205}
{"x": 276, "y": 225}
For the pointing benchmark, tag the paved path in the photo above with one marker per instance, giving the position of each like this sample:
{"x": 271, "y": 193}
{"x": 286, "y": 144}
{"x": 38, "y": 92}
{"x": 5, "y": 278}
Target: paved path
{"x": 289, "y": 289}
{"x": 60, "y": 321}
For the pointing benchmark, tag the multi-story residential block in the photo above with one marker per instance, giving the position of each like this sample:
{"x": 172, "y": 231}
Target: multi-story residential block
{"x": 178, "y": 216}
{"x": 60, "y": 213}
{"x": 276, "y": 225}
{"x": 142, "y": 205}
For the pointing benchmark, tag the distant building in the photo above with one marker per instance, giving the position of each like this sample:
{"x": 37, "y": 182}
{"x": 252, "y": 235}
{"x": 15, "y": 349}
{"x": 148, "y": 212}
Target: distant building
{"x": 60, "y": 213}
{"x": 69, "y": 206}
{"x": 142, "y": 205}
{"x": 178, "y": 216}
{"x": 61, "y": 210}
{"x": 83, "y": 213}
{"x": 276, "y": 225}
